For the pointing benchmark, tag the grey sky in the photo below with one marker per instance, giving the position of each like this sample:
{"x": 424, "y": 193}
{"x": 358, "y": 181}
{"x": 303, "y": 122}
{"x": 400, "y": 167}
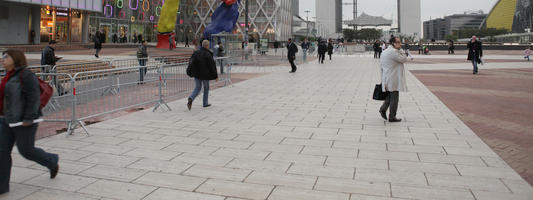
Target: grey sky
{"x": 387, "y": 8}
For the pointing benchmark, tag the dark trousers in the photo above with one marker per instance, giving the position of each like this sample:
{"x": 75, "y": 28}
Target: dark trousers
{"x": 375, "y": 54}
{"x": 329, "y": 56}
{"x": 321, "y": 57}
{"x": 142, "y": 70}
{"x": 24, "y": 137}
{"x": 293, "y": 66}
{"x": 391, "y": 102}
{"x": 379, "y": 54}
{"x": 98, "y": 51}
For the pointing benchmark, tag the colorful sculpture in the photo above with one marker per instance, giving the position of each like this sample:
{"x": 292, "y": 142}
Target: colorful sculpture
{"x": 223, "y": 19}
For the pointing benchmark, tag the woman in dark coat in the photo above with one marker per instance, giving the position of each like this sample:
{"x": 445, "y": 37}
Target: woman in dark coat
{"x": 97, "y": 43}
{"x": 330, "y": 49}
{"x": 19, "y": 114}
{"x": 475, "y": 52}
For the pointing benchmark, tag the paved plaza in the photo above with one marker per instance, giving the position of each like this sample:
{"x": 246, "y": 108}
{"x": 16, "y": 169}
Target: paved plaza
{"x": 314, "y": 134}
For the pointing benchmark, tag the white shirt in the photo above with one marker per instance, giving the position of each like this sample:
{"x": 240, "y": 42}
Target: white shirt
{"x": 392, "y": 70}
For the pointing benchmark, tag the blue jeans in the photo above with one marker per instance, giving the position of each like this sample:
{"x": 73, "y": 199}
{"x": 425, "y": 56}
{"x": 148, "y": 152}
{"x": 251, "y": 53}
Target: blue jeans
{"x": 197, "y": 87}
{"x": 142, "y": 70}
{"x": 474, "y": 63}
{"x": 24, "y": 137}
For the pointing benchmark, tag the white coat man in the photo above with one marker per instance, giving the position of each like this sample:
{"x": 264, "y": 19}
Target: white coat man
{"x": 392, "y": 78}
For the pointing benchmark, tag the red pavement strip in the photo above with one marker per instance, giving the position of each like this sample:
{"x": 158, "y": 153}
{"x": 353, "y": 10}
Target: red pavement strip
{"x": 497, "y": 105}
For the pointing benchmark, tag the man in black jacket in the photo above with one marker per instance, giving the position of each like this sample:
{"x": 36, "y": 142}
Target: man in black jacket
{"x": 203, "y": 70}
{"x": 322, "y": 48}
{"x": 475, "y": 52}
{"x": 292, "y": 49}
{"x": 48, "y": 60}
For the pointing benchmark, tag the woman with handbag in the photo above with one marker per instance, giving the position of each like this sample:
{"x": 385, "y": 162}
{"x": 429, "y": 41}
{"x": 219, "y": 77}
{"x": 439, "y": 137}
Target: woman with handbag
{"x": 20, "y": 103}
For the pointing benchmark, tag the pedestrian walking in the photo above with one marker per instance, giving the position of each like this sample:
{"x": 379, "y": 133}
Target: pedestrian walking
{"x": 451, "y": 47}
{"x": 292, "y": 49}
{"x": 134, "y": 37}
{"x": 330, "y": 49}
{"x": 392, "y": 78}
{"x": 527, "y": 53}
{"x": 305, "y": 49}
{"x": 376, "y": 48}
{"x": 98, "y": 43}
{"x": 322, "y": 48}
{"x": 140, "y": 38}
{"x": 19, "y": 109}
{"x": 407, "y": 48}
{"x": 142, "y": 56}
{"x": 203, "y": 69}
{"x": 187, "y": 41}
{"x": 475, "y": 52}
{"x": 420, "y": 48}
{"x": 48, "y": 61}
{"x": 276, "y": 46}
{"x": 219, "y": 49}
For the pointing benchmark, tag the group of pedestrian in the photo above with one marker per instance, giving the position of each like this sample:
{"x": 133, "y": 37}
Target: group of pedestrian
{"x": 324, "y": 48}
{"x": 378, "y": 47}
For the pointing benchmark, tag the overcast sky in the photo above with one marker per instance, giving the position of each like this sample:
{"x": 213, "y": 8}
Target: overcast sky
{"x": 387, "y": 8}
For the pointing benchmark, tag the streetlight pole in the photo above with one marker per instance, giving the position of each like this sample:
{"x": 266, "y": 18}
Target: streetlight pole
{"x": 307, "y": 23}
{"x": 246, "y": 27}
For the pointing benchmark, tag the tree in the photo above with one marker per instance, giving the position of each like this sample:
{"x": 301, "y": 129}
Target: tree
{"x": 368, "y": 34}
{"x": 451, "y": 37}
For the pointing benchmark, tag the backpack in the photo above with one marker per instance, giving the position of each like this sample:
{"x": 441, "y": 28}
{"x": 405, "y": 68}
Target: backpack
{"x": 190, "y": 70}
{"x": 139, "y": 52}
{"x": 45, "y": 88}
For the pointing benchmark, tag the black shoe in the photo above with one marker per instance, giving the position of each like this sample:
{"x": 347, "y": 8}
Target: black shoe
{"x": 96, "y": 55}
{"x": 207, "y": 105}
{"x": 394, "y": 120}
{"x": 292, "y": 71}
{"x": 3, "y": 192}
{"x": 53, "y": 172}
{"x": 189, "y": 103}
{"x": 383, "y": 114}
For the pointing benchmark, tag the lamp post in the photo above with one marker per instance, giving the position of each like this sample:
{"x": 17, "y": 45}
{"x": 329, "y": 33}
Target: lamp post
{"x": 307, "y": 23}
{"x": 246, "y": 27}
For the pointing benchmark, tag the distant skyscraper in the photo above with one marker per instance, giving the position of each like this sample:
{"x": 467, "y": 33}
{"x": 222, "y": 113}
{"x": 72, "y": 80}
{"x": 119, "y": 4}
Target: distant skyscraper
{"x": 409, "y": 20}
{"x": 295, "y": 7}
{"x": 328, "y": 17}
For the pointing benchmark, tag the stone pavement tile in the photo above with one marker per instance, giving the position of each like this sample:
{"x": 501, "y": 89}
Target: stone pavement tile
{"x": 18, "y": 191}
{"x": 495, "y": 162}
{"x": 181, "y": 140}
{"x": 342, "y": 126}
{"x": 326, "y": 171}
{"x": 283, "y": 193}
{"x": 289, "y": 134}
{"x": 143, "y": 144}
{"x": 441, "y": 142}
{"x": 360, "y": 145}
{"x": 316, "y": 130}
{"x": 19, "y": 161}
{"x": 297, "y": 158}
{"x": 470, "y": 151}
{"x": 487, "y": 195}
{"x": 19, "y": 174}
{"x": 214, "y": 135}
{"x": 135, "y": 128}
{"x": 428, "y": 193}
{"x": 389, "y": 140}
{"x": 187, "y": 148}
{"x": 152, "y": 154}
{"x": 68, "y": 167}
{"x": 241, "y": 153}
{"x": 260, "y": 138}
{"x": 298, "y": 124}
{"x": 353, "y": 186}
{"x": 140, "y": 136}
{"x": 113, "y": 173}
{"x": 344, "y": 137}
{"x": 117, "y": 190}
{"x": 218, "y": 172}
{"x": 369, "y": 197}
{"x": 105, "y": 148}
{"x": 48, "y": 194}
{"x": 98, "y": 139}
{"x": 408, "y": 166}
{"x": 394, "y": 177}
{"x": 154, "y": 165}
{"x": 325, "y": 151}
{"x": 356, "y": 162}
{"x": 227, "y": 143}
{"x": 236, "y": 189}
{"x": 177, "y": 132}
{"x": 61, "y": 182}
{"x": 282, "y": 179}
{"x": 488, "y": 172}
{"x": 388, "y": 155}
{"x": 518, "y": 186}
{"x": 307, "y": 142}
{"x": 415, "y": 148}
{"x": 260, "y": 165}
{"x": 173, "y": 181}
{"x": 284, "y": 148}
{"x": 451, "y": 159}
{"x": 67, "y": 144}
{"x": 109, "y": 159}
{"x": 69, "y": 154}
{"x": 202, "y": 159}
{"x": 466, "y": 182}
{"x": 169, "y": 194}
